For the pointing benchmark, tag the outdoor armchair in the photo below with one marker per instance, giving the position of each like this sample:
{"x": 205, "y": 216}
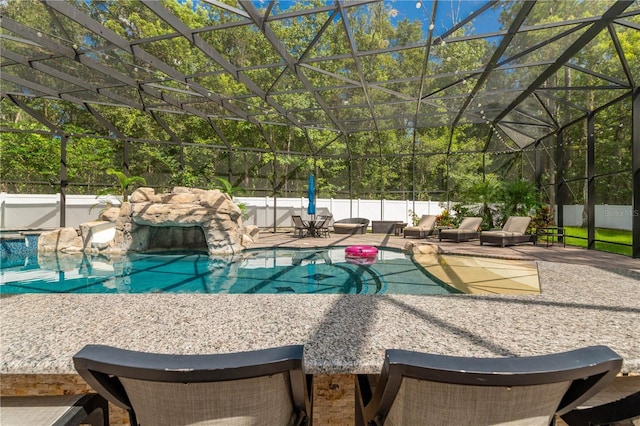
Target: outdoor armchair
{"x": 426, "y": 389}
{"x": 264, "y": 387}
{"x": 467, "y": 230}
{"x": 513, "y": 232}
{"x": 423, "y": 229}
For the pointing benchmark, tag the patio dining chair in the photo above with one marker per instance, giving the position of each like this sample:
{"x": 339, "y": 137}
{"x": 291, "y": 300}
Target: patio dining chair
{"x": 264, "y": 387}
{"x": 323, "y": 228}
{"x": 54, "y": 410}
{"x": 618, "y": 403}
{"x": 300, "y": 227}
{"x": 426, "y": 389}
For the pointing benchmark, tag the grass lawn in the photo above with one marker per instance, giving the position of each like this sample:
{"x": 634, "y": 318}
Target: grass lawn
{"x": 603, "y": 234}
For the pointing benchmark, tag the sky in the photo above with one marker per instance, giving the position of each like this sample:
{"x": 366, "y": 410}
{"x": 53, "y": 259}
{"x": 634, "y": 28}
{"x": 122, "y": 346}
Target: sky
{"x": 449, "y": 11}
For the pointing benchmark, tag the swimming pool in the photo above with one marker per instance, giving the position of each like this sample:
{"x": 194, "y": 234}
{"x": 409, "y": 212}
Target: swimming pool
{"x": 263, "y": 271}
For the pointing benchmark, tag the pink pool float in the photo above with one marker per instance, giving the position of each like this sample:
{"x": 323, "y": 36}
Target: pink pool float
{"x": 361, "y": 255}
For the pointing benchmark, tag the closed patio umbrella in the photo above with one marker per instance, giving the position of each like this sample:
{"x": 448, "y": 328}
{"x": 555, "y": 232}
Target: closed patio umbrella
{"x": 311, "y": 194}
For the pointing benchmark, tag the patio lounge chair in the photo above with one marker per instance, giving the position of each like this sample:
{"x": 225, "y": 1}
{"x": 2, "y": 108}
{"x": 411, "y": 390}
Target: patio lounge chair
{"x": 59, "y": 410}
{"x": 618, "y": 403}
{"x": 513, "y": 232}
{"x": 423, "y": 229}
{"x": 467, "y": 230}
{"x": 246, "y": 388}
{"x": 426, "y": 389}
{"x": 300, "y": 227}
{"x": 353, "y": 225}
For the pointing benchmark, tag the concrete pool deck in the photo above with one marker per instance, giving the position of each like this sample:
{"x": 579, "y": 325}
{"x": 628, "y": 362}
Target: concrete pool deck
{"x": 588, "y": 298}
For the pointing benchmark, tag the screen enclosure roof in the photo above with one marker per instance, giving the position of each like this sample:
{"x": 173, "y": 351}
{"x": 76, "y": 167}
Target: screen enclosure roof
{"x": 524, "y": 67}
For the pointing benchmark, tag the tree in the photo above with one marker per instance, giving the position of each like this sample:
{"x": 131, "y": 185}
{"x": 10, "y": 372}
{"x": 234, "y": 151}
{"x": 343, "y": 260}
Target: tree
{"x": 30, "y": 161}
{"x": 485, "y": 194}
{"x": 170, "y": 148}
{"x": 517, "y": 198}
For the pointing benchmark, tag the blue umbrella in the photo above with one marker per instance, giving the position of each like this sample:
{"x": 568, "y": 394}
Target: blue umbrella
{"x": 311, "y": 210}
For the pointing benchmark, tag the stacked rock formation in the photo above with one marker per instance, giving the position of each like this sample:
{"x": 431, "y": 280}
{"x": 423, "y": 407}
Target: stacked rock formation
{"x": 185, "y": 218}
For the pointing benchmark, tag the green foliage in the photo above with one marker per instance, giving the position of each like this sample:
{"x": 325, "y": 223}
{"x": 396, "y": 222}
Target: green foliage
{"x": 460, "y": 211}
{"x": 517, "y": 198}
{"x": 445, "y": 161}
{"x": 415, "y": 219}
{"x": 496, "y": 200}
{"x": 29, "y": 161}
{"x": 225, "y": 186}
{"x": 184, "y": 178}
{"x": 542, "y": 218}
{"x": 483, "y": 194}
{"x": 124, "y": 182}
{"x": 88, "y": 157}
{"x": 445, "y": 218}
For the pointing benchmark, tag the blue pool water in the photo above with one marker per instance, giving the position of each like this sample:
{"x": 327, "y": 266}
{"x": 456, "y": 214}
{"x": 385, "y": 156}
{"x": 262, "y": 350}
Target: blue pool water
{"x": 265, "y": 271}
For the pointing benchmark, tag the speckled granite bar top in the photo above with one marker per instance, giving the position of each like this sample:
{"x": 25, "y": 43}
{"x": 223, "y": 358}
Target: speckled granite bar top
{"x": 579, "y": 306}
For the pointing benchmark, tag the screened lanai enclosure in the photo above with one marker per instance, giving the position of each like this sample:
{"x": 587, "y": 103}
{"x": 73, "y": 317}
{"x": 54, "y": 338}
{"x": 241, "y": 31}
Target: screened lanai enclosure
{"x": 415, "y": 100}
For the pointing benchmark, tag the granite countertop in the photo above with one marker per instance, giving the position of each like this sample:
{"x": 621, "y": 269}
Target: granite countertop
{"x": 579, "y": 306}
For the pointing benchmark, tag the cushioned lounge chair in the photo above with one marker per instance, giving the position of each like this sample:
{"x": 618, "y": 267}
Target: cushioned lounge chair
{"x": 618, "y": 403}
{"x": 60, "y": 410}
{"x": 513, "y": 232}
{"x": 467, "y": 230}
{"x": 353, "y": 225}
{"x": 423, "y": 229}
{"x": 426, "y": 389}
{"x": 265, "y": 387}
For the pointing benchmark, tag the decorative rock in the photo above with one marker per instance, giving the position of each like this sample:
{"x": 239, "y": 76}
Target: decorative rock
{"x": 110, "y": 214}
{"x": 221, "y": 202}
{"x": 182, "y": 198}
{"x": 59, "y": 240}
{"x": 60, "y": 262}
{"x": 186, "y": 189}
{"x": 186, "y": 218}
{"x": 427, "y": 248}
{"x": 177, "y": 215}
{"x": 97, "y": 234}
{"x": 251, "y": 230}
{"x": 143, "y": 195}
{"x": 247, "y": 240}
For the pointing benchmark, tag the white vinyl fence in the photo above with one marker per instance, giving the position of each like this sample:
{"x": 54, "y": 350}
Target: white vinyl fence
{"x": 261, "y": 211}
{"x": 22, "y": 211}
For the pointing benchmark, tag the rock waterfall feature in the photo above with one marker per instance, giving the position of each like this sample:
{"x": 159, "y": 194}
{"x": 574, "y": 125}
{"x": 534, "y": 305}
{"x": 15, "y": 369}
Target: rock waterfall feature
{"x": 185, "y": 218}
